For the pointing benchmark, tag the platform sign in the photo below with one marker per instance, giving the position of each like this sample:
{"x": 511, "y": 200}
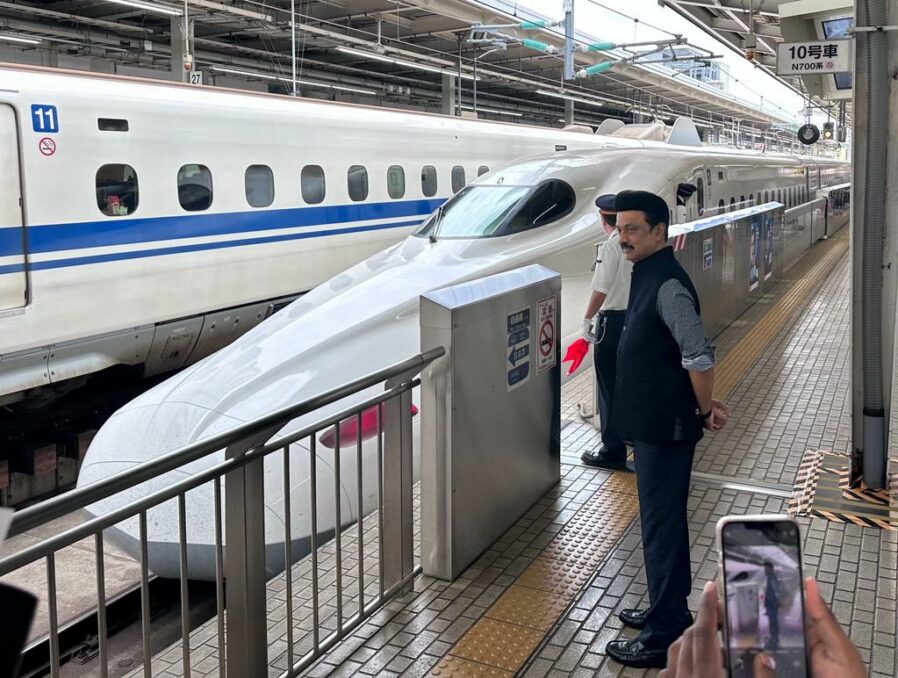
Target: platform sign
{"x": 811, "y": 58}
{"x": 517, "y": 351}
{"x": 707, "y": 254}
{"x": 196, "y": 77}
{"x": 547, "y": 321}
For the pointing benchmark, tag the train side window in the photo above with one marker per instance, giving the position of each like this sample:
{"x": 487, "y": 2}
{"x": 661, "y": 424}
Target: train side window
{"x": 357, "y": 180}
{"x": 721, "y": 206}
{"x": 732, "y": 203}
{"x": 779, "y": 195}
{"x": 429, "y": 181}
{"x": 258, "y": 184}
{"x": 751, "y": 199}
{"x": 312, "y": 184}
{"x": 458, "y": 178}
{"x": 117, "y": 191}
{"x": 700, "y": 192}
{"x": 483, "y": 169}
{"x": 396, "y": 182}
{"x": 766, "y": 197}
{"x": 742, "y": 202}
{"x": 195, "y": 188}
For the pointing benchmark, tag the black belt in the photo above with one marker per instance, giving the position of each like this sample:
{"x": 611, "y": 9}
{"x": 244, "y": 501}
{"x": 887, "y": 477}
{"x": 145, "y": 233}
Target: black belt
{"x": 612, "y": 312}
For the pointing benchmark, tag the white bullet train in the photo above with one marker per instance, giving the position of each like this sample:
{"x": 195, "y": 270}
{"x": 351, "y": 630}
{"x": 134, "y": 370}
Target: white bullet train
{"x": 536, "y": 210}
{"x": 150, "y": 223}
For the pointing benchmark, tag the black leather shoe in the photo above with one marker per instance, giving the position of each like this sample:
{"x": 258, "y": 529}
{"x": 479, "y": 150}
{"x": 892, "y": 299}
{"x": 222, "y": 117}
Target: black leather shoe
{"x": 634, "y": 653}
{"x": 633, "y": 618}
{"x": 601, "y": 458}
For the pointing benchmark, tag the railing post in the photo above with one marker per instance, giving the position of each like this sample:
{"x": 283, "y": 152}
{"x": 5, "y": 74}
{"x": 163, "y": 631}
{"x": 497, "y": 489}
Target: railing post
{"x": 247, "y": 638}
{"x": 398, "y": 548}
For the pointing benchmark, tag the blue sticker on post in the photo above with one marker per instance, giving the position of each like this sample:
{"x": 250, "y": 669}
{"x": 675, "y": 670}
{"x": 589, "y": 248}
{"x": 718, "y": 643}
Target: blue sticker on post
{"x": 517, "y": 352}
{"x": 44, "y": 119}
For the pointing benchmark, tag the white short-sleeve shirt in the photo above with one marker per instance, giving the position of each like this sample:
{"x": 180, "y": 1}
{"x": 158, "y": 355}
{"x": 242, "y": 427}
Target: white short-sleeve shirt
{"x": 612, "y": 275}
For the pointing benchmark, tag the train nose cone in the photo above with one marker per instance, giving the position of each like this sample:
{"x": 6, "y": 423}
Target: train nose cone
{"x": 141, "y": 432}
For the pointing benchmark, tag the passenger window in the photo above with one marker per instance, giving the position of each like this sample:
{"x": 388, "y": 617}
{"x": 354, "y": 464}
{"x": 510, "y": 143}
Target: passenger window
{"x": 732, "y": 204}
{"x": 549, "y": 202}
{"x": 766, "y": 197}
{"x": 483, "y": 169}
{"x": 751, "y": 199}
{"x": 779, "y": 195}
{"x": 742, "y": 202}
{"x": 259, "y": 185}
{"x": 357, "y": 181}
{"x": 429, "y": 181}
{"x": 721, "y": 206}
{"x": 458, "y": 178}
{"x": 117, "y": 192}
{"x": 312, "y": 184}
{"x": 195, "y": 188}
{"x": 700, "y": 192}
{"x": 396, "y": 182}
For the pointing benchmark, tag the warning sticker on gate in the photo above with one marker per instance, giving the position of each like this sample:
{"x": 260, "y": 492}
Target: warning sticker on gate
{"x": 517, "y": 349}
{"x": 547, "y": 335}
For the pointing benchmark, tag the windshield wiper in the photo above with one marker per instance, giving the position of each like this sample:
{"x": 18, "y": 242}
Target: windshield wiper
{"x": 438, "y": 220}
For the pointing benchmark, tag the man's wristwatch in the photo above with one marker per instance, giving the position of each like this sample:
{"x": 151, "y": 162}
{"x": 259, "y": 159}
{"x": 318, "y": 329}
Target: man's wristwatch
{"x": 704, "y": 415}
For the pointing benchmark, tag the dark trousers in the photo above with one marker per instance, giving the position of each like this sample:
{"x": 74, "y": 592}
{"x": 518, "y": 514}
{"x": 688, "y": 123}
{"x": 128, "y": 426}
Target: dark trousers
{"x": 608, "y": 331}
{"x": 662, "y": 481}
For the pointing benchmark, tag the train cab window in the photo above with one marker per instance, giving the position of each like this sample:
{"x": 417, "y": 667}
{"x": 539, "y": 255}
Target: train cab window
{"x": 429, "y": 181}
{"x": 483, "y": 169}
{"x": 195, "y": 188}
{"x": 312, "y": 184}
{"x": 117, "y": 191}
{"x": 458, "y": 178}
{"x": 700, "y": 192}
{"x": 258, "y": 184}
{"x": 357, "y": 181}
{"x": 489, "y": 211}
{"x": 396, "y": 182}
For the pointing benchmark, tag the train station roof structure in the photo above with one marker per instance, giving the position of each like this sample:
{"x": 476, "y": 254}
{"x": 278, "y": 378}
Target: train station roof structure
{"x": 395, "y": 52}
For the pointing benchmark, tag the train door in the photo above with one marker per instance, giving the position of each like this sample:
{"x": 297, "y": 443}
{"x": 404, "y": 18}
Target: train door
{"x": 693, "y": 203}
{"x": 13, "y": 280}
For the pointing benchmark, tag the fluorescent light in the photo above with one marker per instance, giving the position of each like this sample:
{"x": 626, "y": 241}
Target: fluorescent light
{"x": 20, "y": 38}
{"x": 560, "y": 95}
{"x": 402, "y": 62}
{"x": 278, "y": 78}
{"x": 494, "y": 111}
{"x": 149, "y": 7}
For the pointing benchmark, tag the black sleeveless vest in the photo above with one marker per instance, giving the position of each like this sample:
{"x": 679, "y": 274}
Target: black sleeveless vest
{"x": 653, "y": 397}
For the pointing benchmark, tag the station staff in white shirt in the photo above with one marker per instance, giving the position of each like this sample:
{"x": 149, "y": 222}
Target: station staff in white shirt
{"x": 610, "y": 291}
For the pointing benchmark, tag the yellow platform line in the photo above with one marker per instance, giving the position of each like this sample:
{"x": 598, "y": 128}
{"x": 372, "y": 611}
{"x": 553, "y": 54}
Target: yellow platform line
{"x": 501, "y": 641}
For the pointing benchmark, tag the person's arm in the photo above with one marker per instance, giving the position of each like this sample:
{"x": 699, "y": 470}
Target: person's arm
{"x": 602, "y": 279}
{"x": 677, "y": 309}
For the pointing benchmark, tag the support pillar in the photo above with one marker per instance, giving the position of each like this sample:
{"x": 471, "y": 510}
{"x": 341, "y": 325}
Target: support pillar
{"x": 448, "y": 102}
{"x": 568, "y": 112}
{"x": 179, "y": 49}
{"x": 874, "y": 281}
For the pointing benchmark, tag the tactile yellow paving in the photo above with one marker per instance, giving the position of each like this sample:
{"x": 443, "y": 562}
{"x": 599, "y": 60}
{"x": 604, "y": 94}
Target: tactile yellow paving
{"x": 456, "y": 666}
{"x": 497, "y": 644}
{"x": 524, "y": 606}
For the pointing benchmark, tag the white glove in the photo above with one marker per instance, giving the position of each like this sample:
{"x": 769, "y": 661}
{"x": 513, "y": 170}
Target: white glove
{"x": 586, "y": 330}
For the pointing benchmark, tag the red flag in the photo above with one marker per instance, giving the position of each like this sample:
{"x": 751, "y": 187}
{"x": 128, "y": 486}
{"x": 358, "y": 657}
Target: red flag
{"x": 576, "y": 352}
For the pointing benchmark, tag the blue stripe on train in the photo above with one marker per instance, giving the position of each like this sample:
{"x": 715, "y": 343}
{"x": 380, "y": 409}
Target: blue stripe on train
{"x": 162, "y": 251}
{"x": 121, "y": 231}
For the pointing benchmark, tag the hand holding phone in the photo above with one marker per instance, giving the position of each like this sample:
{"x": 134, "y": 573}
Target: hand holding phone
{"x": 764, "y": 625}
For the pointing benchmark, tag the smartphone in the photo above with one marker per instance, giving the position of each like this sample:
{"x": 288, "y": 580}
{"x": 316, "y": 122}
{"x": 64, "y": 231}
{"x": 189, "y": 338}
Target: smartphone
{"x": 763, "y": 593}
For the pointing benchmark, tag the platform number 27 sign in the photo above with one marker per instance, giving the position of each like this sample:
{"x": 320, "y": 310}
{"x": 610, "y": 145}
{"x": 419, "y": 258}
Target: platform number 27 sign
{"x": 44, "y": 119}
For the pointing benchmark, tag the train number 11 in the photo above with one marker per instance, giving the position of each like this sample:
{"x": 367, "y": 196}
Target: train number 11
{"x": 44, "y": 119}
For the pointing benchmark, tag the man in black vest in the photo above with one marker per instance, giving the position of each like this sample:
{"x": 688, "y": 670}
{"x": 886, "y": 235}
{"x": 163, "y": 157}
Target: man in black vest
{"x": 662, "y": 401}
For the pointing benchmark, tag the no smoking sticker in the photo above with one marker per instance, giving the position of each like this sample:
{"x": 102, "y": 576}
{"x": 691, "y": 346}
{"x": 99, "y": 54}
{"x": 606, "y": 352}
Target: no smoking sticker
{"x": 46, "y": 146}
{"x": 547, "y": 322}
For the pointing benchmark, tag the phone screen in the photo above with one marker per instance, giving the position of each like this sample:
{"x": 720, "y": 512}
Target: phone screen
{"x": 764, "y": 597}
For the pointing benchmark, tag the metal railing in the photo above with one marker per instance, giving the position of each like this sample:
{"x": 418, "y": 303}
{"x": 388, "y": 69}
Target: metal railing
{"x": 239, "y": 534}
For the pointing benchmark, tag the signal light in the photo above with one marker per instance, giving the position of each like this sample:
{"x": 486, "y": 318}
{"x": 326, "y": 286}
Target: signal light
{"x": 828, "y": 130}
